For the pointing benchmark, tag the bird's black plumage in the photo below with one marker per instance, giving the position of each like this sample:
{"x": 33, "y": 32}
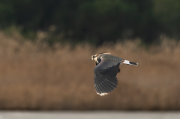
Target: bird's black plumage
{"x": 105, "y": 75}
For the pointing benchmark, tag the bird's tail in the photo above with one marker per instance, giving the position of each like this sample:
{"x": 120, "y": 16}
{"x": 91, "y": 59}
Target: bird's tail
{"x": 129, "y": 63}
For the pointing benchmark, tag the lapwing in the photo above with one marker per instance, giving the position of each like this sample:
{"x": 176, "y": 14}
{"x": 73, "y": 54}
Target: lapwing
{"x": 105, "y": 72}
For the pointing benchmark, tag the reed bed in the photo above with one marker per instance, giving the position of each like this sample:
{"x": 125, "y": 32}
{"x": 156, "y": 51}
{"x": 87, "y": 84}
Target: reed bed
{"x": 35, "y": 76}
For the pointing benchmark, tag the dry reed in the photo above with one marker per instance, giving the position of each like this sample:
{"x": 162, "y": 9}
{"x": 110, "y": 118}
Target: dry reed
{"x": 33, "y": 76}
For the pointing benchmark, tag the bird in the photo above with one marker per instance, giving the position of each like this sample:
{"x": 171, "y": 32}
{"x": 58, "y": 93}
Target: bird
{"x": 106, "y": 70}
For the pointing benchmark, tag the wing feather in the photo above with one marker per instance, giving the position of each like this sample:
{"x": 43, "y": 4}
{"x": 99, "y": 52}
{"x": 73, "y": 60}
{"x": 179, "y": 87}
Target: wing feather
{"x": 105, "y": 76}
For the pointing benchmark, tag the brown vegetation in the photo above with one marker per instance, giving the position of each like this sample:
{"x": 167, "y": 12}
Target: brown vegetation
{"x": 34, "y": 76}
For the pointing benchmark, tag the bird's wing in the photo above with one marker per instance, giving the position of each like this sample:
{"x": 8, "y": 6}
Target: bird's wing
{"x": 105, "y": 76}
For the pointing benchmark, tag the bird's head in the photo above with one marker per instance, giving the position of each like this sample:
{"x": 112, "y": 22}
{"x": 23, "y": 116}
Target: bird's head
{"x": 95, "y": 57}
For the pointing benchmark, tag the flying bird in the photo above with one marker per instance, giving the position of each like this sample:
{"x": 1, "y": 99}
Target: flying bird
{"x": 107, "y": 67}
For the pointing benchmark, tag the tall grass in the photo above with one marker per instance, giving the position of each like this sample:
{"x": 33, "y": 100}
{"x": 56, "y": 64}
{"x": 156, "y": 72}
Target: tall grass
{"x": 35, "y": 76}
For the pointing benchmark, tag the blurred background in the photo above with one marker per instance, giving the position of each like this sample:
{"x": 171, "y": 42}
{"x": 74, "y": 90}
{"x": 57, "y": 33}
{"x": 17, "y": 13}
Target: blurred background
{"x": 45, "y": 46}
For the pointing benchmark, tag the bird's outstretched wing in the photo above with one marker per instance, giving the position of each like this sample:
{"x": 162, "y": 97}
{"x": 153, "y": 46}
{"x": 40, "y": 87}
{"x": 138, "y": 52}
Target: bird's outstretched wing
{"x": 105, "y": 76}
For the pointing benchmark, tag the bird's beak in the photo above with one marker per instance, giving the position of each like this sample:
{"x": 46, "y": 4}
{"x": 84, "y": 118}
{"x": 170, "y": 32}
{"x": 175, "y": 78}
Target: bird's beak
{"x": 91, "y": 59}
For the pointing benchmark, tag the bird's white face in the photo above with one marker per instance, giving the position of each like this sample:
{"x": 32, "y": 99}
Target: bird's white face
{"x": 94, "y": 57}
